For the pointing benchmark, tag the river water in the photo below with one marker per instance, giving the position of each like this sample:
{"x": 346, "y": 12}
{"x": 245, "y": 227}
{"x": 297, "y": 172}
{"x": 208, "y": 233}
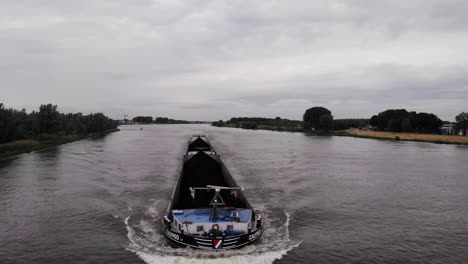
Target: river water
{"x": 324, "y": 199}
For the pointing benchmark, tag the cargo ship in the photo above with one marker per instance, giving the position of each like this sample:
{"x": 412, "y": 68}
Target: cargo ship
{"x": 207, "y": 209}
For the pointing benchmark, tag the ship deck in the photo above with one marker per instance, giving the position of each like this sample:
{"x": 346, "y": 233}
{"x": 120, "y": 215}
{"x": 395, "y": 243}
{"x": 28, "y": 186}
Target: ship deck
{"x": 203, "y": 215}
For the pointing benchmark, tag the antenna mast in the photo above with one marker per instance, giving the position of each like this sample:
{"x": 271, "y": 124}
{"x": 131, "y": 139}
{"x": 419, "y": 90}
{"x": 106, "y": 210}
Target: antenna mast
{"x": 217, "y": 199}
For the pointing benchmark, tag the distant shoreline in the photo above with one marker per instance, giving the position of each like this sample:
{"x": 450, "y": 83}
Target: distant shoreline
{"x": 11, "y": 149}
{"x": 189, "y": 123}
{"x": 395, "y": 136}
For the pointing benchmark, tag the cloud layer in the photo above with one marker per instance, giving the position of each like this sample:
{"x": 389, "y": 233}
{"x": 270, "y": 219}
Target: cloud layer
{"x": 206, "y": 60}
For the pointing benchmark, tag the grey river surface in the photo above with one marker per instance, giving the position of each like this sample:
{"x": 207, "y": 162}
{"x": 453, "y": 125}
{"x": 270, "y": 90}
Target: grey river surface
{"x": 324, "y": 199}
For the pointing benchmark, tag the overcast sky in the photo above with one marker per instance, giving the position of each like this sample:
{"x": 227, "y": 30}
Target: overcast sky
{"x": 207, "y": 60}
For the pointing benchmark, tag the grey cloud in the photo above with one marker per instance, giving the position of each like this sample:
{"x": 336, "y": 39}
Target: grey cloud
{"x": 217, "y": 59}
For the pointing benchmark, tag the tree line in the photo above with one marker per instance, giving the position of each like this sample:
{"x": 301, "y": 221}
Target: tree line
{"x": 254, "y": 122}
{"x": 343, "y": 124}
{"x": 391, "y": 120}
{"x": 48, "y": 121}
{"x": 400, "y": 120}
{"x": 158, "y": 120}
{"x": 321, "y": 119}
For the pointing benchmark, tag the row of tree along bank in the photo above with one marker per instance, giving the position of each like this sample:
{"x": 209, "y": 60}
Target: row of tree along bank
{"x": 400, "y": 120}
{"x": 320, "y": 120}
{"x": 157, "y": 120}
{"x": 24, "y": 132}
{"x": 261, "y": 123}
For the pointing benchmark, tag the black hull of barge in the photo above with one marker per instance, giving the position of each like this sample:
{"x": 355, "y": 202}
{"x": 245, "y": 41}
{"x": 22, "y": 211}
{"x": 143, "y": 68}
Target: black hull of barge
{"x": 201, "y": 167}
{"x": 177, "y": 240}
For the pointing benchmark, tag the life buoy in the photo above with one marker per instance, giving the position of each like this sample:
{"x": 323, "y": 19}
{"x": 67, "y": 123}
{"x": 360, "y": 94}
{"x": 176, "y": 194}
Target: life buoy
{"x": 215, "y": 227}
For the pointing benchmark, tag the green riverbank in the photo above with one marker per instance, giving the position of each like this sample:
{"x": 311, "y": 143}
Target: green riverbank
{"x": 429, "y": 138}
{"x": 29, "y": 145}
{"x": 271, "y": 128}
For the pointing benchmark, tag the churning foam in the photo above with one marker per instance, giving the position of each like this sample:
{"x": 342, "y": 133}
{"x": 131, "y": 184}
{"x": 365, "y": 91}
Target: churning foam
{"x": 148, "y": 243}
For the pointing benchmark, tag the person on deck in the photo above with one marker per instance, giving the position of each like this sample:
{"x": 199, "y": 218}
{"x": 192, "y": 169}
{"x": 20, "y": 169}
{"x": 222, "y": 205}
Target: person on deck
{"x": 214, "y": 231}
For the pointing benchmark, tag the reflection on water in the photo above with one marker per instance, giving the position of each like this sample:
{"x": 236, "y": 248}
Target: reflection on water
{"x": 327, "y": 199}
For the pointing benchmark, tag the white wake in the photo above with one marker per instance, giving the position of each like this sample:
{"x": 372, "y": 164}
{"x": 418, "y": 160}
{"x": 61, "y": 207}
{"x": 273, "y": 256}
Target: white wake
{"x": 147, "y": 241}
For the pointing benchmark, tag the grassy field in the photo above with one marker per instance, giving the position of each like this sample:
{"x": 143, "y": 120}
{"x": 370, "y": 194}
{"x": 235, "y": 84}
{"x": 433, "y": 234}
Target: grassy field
{"x": 29, "y": 145}
{"x": 443, "y": 139}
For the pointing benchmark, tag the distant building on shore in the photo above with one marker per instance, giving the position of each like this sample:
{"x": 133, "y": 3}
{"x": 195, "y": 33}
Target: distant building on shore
{"x": 448, "y": 129}
{"x": 126, "y": 122}
{"x": 451, "y": 129}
